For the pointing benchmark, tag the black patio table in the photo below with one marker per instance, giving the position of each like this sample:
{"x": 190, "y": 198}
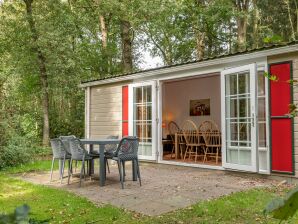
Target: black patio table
{"x": 102, "y": 166}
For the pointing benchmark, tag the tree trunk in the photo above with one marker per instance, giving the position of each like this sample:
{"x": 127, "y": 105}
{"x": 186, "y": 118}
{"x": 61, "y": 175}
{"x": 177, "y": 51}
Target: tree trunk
{"x": 126, "y": 46}
{"x": 242, "y": 8}
{"x": 200, "y": 45}
{"x": 104, "y": 43}
{"x": 104, "y": 32}
{"x": 290, "y": 20}
{"x": 241, "y": 33}
{"x": 296, "y": 10}
{"x": 256, "y": 25}
{"x": 42, "y": 73}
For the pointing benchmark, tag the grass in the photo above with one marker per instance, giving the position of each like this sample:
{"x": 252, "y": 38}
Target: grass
{"x": 60, "y": 206}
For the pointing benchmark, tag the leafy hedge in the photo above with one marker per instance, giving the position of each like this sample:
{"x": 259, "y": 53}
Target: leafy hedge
{"x": 20, "y": 150}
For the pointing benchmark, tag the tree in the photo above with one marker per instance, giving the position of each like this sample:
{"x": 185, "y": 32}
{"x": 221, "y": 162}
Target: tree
{"x": 41, "y": 61}
{"x": 242, "y": 9}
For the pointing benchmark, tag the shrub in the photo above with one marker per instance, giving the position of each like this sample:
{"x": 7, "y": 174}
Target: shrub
{"x": 21, "y": 216}
{"x": 19, "y": 150}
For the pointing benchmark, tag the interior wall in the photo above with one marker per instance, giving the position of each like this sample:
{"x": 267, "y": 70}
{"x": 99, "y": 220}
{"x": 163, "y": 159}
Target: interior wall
{"x": 177, "y": 95}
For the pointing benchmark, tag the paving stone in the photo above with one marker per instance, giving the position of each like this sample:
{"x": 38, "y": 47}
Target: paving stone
{"x": 164, "y": 188}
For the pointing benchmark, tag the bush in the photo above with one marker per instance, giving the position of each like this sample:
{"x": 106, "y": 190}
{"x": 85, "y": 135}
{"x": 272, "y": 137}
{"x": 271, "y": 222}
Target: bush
{"x": 19, "y": 150}
{"x": 20, "y": 216}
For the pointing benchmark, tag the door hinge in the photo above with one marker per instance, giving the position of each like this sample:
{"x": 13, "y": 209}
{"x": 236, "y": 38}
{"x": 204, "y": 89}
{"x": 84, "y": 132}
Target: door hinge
{"x": 157, "y": 120}
{"x": 157, "y": 153}
{"x": 157, "y": 87}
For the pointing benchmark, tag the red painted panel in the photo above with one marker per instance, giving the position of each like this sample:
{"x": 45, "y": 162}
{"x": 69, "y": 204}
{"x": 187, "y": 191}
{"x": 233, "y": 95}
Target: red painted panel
{"x": 124, "y": 110}
{"x": 281, "y": 135}
{"x": 281, "y": 127}
{"x": 280, "y": 90}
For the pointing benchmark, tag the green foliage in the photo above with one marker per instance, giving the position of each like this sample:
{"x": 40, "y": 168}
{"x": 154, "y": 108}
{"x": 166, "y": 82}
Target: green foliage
{"x": 284, "y": 208}
{"x": 271, "y": 77}
{"x": 70, "y": 38}
{"x": 20, "y": 216}
{"x": 272, "y": 39}
{"x": 18, "y": 150}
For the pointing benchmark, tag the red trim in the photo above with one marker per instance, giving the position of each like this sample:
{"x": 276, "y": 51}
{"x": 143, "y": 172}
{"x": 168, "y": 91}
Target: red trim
{"x": 281, "y": 126}
{"x": 124, "y": 110}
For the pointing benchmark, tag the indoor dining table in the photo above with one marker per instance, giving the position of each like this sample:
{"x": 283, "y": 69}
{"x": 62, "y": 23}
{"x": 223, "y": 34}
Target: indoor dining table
{"x": 102, "y": 166}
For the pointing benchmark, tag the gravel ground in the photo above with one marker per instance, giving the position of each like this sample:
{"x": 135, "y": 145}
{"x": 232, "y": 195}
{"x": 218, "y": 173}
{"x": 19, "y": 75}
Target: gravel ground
{"x": 164, "y": 187}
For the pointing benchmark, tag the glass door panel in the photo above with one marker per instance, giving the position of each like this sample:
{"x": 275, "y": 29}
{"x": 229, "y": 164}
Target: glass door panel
{"x": 142, "y": 119}
{"x": 238, "y": 96}
{"x": 262, "y": 123}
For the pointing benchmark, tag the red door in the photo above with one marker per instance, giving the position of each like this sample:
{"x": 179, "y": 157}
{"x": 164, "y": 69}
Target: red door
{"x": 281, "y": 122}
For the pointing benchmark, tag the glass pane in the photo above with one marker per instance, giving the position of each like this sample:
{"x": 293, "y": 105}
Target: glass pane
{"x": 147, "y": 94}
{"x": 231, "y": 107}
{"x": 231, "y": 84}
{"x": 145, "y": 149}
{"x": 245, "y": 157}
{"x": 262, "y": 135}
{"x": 234, "y": 133}
{"x": 244, "y": 134}
{"x": 143, "y": 112}
{"x": 263, "y": 160}
{"x": 261, "y": 83}
{"x": 244, "y": 107}
{"x": 261, "y": 109}
{"x": 243, "y": 83}
{"x": 143, "y": 131}
{"x": 138, "y": 95}
{"x": 232, "y": 155}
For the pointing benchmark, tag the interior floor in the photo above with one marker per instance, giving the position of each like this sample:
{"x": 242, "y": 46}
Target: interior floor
{"x": 170, "y": 157}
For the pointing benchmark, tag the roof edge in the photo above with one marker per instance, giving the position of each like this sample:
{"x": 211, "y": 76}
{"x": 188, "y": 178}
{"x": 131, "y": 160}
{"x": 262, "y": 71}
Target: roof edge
{"x": 266, "y": 52}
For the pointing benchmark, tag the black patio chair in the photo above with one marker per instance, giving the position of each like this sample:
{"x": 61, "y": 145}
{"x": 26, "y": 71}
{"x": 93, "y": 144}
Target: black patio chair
{"x": 110, "y": 150}
{"x": 60, "y": 153}
{"x": 79, "y": 153}
{"x": 65, "y": 140}
{"x": 127, "y": 151}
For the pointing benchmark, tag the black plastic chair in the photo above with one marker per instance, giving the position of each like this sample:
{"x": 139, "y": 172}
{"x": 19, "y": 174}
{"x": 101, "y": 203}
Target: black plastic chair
{"x": 78, "y": 153}
{"x": 127, "y": 151}
{"x": 60, "y": 153}
{"x": 110, "y": 150}
{"x": 65, "y": 140}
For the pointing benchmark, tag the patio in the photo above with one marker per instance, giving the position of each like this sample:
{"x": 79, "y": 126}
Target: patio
{"x": 164, "y": 188}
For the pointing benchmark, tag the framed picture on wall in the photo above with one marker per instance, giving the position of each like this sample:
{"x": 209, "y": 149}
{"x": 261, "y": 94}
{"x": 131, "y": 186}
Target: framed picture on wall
{"x": 199, "y": 107}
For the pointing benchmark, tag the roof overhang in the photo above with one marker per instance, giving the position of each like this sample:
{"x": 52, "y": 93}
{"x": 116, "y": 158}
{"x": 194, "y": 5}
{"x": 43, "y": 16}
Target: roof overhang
{"x": 183, "y": 67}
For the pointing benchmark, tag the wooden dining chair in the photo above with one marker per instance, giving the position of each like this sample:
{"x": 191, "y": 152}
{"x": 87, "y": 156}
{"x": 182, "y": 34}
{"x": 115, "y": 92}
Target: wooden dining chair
{"x": 192, "y": 140}
{"x": 173, "y": 129}
{"x": 212, "y": 139}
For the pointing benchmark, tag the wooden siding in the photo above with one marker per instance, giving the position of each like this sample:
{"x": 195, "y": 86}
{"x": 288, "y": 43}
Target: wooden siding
{"x": 294, "y": 58}
{"x": 105, "y": 111}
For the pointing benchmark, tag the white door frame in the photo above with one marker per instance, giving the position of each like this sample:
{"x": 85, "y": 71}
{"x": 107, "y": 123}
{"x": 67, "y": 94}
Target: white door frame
{"x": 154, "y": 115}
{"x": 252, "y": 68}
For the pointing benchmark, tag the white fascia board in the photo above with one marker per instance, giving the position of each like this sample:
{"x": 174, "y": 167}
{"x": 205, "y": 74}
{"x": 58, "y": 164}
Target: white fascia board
{"x": 178, "y": 68}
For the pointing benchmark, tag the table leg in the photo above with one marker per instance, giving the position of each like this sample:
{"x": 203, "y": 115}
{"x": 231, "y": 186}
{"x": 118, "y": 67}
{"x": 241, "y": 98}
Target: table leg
{"x": 134, "y": 170}
{"x": 60, "y": 168}
{"x": 176, "y": 146}
{"x": 91, "y": 165}
{"x": 102, "y": 166}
